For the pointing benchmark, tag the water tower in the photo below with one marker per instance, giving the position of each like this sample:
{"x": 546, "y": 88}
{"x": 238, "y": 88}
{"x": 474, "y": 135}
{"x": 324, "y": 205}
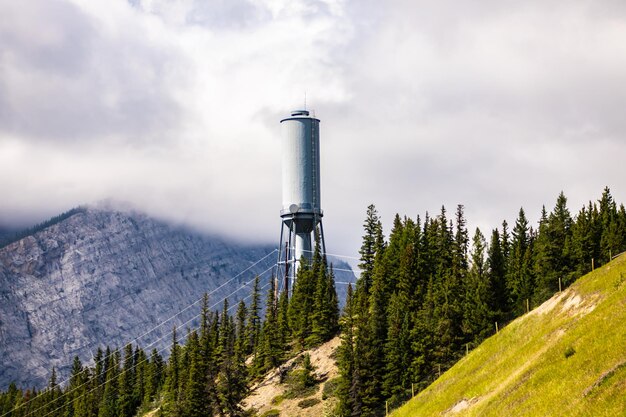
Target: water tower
{"x": 301, "y": 211}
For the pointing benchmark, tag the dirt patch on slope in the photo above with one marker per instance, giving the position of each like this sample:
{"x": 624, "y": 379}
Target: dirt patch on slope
{"x": 270, "y": 387}
{"x": 569, "y": 301}
{"x": 461, "y": 406}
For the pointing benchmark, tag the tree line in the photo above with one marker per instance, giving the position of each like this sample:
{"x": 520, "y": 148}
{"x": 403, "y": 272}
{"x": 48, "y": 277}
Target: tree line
{"x": 429, "y": 292}
{"x": 210, "y": 374}
{"x": 425, "y": 294}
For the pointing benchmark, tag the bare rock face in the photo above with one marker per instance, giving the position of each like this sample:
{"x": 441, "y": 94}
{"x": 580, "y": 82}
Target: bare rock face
{"x": 103, "y": 277}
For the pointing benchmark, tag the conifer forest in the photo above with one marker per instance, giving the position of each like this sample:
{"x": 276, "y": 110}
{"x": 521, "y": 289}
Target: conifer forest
{"x": 426, "y": 294}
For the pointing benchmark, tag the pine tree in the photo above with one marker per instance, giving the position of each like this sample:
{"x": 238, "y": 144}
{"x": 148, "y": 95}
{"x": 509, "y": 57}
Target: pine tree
{"x": 154, "y": 377}
{"x": 231, "y": 380}
{"x": 553, "y": 250}
{"x": 254, "y": 318}
{"x": 325, "y": 314}
{"x": 196, "y": 402}
{"x": 611, "y": 240}
{"x": 519, "y": 274}
{"x": 173, "y": 405}
{"x": 397, "y": 351}
{"x": 346, "y": 356}
{"x": 372, "y": 246}
{"x": 282, "y": 319}
{"x": 75, "y": 390}
{"x": 272, "y": 343}
{"x": 109, "y": 406}
{"x": 242, "y": 342}
{"x": 208, "y": 351}
{"x": 496, "y": 273}
{"x": 301, "y": 304}
{"x": 477, "y": 320}
{"x": 141, "y": 364}
{"x": 125, "y": 384}
{"x": 447, "y": 293}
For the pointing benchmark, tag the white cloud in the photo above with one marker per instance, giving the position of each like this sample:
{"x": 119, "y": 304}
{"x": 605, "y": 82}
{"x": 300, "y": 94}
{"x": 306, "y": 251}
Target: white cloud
{"x": 174, "y": 106}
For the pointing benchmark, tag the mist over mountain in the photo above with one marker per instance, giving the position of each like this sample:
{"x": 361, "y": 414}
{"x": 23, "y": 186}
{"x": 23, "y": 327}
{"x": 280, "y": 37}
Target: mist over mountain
{"x": 108, "y": 277}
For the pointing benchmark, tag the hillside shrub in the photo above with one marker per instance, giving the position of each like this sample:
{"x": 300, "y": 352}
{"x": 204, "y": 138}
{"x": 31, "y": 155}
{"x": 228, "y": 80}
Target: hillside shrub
{"x": 309, "y": 402}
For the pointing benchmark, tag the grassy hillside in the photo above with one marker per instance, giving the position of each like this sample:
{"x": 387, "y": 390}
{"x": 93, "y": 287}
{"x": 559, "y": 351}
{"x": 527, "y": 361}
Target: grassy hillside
{"x": 565, "y": 358}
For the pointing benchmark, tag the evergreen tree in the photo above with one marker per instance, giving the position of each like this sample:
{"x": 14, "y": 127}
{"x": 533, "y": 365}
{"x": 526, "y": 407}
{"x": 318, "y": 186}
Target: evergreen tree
{"x": 141, "y": 364}
{"x": 75, "y": 389}
{"x": 282, "y": 319}
{"x": 553, "y": 250}
{"x": 242, "y": 342}
{"x": 173, "y": 405}
{"x": 346, "y": 356}
{"x": 478, "y": 315}
{"x": 154, "y": 377}
{"x": 231, "y": 381}
{"x": 397, "y": 351}
{"x": 611, "y": 239}
{"x": 109, "y": 406}
{"x": 254, "y": 318}
{"x": 373, "y": 245}
{"x": 126, "y": 406}
{"x": 519, "y": 278}
{"x": 496, "y": 272}
{"x": 272, "y": 344}
{"x": 208, "y": 348}
{"x": 325, "y": 317}
{"x": 447, "y": 293}
{"x": 301, "y": 303}
{"x": 196, "y": 402}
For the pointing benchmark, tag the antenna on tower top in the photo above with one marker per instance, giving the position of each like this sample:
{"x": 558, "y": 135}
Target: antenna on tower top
{"x": 305, "y": 100}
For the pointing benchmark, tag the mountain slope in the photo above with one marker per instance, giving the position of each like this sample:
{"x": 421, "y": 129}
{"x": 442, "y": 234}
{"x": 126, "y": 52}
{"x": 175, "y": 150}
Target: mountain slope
{"x": 102, "y": 277}
{"x": 565, "y": 358}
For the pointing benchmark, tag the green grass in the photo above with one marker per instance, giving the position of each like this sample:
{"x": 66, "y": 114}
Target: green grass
{"x": 568, "y": 360}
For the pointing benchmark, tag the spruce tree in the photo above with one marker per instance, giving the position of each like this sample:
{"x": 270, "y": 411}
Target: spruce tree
{"x": 478, "y": 316}
{"x": 397, "y": 351}
{"x": 75, "y": 389}
{"x": 611, "y": 240}
{"x": 373, "y": 244}
{"x": 254, "y": 318}
{"x": 197, "y": 404}
{"x": 125, "y": 384}
{"x": 109, "y": 406}
{"x": 346, "y": 356}
{"x": 496, "y": 272}
{"x": 301, "y": 304}
{"x": 172, "y": 396}
{"x": 519, "y": 272}
{"x": 231, "y": 381}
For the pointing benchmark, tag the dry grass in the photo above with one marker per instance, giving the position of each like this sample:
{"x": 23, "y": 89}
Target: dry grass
{"x": 270, "y": 388}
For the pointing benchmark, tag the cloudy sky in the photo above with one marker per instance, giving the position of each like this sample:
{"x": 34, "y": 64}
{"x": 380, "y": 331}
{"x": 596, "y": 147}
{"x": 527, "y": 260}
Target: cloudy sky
{"x": 174, "y": 105}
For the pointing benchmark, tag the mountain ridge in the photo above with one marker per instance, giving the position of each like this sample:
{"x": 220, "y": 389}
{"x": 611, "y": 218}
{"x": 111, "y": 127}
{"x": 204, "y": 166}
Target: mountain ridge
{"x": 104, "y": 277}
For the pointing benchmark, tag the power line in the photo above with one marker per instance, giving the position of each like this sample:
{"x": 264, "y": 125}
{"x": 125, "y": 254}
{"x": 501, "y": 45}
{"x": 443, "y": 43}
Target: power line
{"x": 135, "y": 365}
{"x": 330, "y": 254}
{"x": 138, "y": 338}
{"x": 167, "y": 320}
{"x": 90, "y": 345}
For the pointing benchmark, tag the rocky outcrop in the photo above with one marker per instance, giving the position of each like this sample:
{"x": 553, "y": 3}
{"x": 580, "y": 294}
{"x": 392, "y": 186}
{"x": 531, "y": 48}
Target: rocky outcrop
{"x": 103, "y": 277}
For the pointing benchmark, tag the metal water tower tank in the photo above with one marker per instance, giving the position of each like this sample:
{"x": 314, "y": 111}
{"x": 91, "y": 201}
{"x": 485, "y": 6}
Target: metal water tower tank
{"x": 301, "y": 211}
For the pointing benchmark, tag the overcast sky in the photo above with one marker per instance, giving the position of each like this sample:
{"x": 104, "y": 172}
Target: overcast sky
{"x": 174, "y": 106}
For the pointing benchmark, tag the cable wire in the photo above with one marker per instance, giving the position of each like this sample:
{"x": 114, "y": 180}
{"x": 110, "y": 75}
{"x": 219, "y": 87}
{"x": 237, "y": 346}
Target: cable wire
{"x": 137, "y": 364}
{"x": 161, "y": 324}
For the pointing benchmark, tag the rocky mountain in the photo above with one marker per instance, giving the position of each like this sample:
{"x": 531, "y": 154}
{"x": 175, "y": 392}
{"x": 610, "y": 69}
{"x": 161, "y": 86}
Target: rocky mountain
{"x": 103, "y": 277}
